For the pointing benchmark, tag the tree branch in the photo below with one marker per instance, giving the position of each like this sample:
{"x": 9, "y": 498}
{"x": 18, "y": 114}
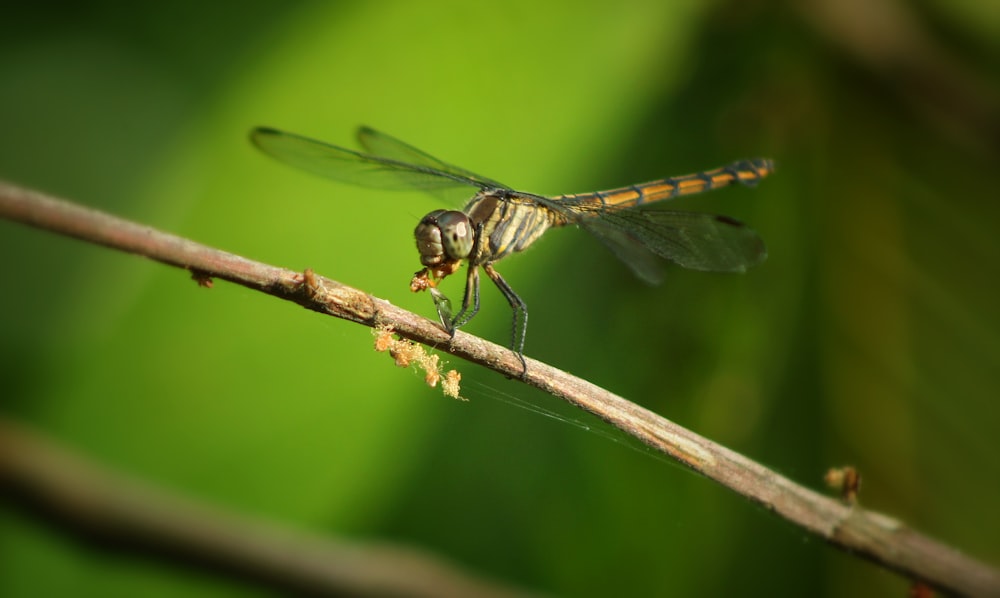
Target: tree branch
{"x": 858, "y": 531}
{"x": 120, "y": 513}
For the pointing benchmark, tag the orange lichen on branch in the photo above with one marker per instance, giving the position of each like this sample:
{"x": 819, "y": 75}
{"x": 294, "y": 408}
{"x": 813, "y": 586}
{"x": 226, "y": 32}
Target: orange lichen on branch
{"x": 450, "y": 387}
{"x": 846, "y": 480}
{"x": 407, "y": 353}
{"x": 383, "y": 338}
{"x": 202, "y": 278}
{"x": 310, "y": 284}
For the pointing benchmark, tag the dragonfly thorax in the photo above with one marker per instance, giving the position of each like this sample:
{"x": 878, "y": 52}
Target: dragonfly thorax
{"x": 443, "y": 236}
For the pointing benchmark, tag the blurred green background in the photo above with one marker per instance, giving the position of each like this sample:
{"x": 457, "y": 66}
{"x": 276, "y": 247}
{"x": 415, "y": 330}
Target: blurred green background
{"x": 870, "y": 337}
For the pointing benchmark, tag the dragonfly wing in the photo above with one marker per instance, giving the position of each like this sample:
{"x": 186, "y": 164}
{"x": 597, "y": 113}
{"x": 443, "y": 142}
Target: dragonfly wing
{"x": 643, "y": 262}
{"x": 694, "y": 240}
{"x": 385, "y": 146}
{"x": 353, "y": 167}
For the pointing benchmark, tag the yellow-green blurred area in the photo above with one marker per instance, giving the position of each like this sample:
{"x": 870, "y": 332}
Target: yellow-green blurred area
{"x": 870, "y": 337}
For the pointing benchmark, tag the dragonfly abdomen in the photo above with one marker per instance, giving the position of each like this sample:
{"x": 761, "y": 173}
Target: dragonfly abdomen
{"x": 747, "y": 172}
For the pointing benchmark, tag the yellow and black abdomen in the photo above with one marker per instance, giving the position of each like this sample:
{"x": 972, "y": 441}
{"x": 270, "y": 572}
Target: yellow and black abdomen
{"x": 747, "y": 172}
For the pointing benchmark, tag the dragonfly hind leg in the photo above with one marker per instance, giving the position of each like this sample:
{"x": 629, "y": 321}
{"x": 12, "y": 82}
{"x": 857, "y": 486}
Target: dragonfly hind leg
{"x": 520, "y": 327}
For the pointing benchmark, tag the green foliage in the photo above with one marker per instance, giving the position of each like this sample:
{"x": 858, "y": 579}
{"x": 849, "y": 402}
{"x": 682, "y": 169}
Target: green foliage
{"x": 870, "y": 337}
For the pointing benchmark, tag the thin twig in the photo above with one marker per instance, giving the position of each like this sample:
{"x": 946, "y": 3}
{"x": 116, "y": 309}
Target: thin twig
{"x": 120, "y": 513}
{"x": 858, "y": 531}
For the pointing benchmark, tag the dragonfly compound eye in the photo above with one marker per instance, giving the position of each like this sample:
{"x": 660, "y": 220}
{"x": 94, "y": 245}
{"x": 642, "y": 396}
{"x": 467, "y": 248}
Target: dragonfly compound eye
{"x": 443, "y": 235}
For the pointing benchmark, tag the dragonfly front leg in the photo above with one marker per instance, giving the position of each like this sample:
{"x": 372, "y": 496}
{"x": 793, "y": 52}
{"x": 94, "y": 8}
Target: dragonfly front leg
{"x": 471, "y": 297}
{"x": 520, "y": 327}
{"x": 470, "y": 302}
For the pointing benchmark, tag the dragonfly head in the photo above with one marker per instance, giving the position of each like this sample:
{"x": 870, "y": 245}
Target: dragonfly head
{"x": 444, "y": 236}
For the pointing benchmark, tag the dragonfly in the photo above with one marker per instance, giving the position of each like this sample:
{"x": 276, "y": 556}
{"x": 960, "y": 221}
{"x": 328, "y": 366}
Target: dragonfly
{"x": 498, "y": 220}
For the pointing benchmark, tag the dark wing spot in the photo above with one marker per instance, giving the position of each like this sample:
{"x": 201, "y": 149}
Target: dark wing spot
{"x": 728, "y": 220}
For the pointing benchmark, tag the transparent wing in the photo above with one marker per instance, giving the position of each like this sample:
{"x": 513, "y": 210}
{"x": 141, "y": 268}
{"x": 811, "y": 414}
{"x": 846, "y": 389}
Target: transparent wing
{"x": 692, "y": 240}
{"x": 385, "y": 146}
{"x": 643, "y": 262}
{"x": 349, "y": 166}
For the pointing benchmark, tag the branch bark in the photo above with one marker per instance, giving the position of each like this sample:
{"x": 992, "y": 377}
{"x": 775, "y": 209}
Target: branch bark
{"x": 858, "y": 531}
{"x": 119, "y": 513}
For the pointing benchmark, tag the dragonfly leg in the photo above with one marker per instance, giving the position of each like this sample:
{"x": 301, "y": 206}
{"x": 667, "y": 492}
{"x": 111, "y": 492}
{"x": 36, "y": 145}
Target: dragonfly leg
{"x": 520, "y": 327}
{"x": 471, "y": 287}
{"x": 470, "y": 303}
